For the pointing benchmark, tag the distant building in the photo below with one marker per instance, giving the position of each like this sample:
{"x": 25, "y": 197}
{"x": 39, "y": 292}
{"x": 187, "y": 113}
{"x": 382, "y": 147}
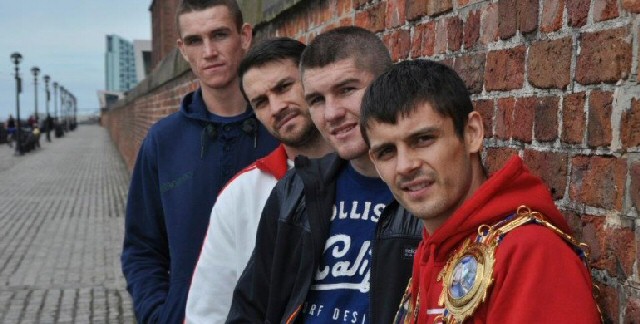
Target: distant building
{"x": 120, "y": 67}
{"x": 142, "y": 58}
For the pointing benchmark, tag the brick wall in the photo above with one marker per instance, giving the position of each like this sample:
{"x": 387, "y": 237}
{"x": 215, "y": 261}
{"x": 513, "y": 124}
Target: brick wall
{"x": 163, "y": 29}
{"x": 557, "y": 84}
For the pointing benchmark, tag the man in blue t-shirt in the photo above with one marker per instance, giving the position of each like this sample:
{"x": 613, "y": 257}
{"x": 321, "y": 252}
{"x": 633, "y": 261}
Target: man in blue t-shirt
{"x": 326, "y": 249}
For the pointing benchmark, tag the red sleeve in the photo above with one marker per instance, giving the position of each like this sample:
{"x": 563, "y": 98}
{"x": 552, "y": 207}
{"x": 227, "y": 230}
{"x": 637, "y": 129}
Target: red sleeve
{"x": 539, "y": 278}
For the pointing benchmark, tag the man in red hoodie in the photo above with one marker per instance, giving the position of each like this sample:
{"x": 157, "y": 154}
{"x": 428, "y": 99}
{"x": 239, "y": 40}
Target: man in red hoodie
{"x": 495, "y": 249}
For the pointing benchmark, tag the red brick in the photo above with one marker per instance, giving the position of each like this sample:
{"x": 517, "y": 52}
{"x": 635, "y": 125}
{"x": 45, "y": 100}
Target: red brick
{"x": 497, "y": 157}
{"x": 594, "y": 235}
{"x": 441, "y": 38}
{"x": 464, "y": 3}
{"x": 630, "y": 128}
{"x": 577, "y": 12}
{"x": 346, "y": 21}
{"x": 575, "y": 223}
{"x": 400, "y": 44}
{"x": 395, "y": 13}
{"x": 527, "y": 15}
{"x": 437, "y": 7}
{"x": 470, "y": 68}
{"x": 415, "y": 9}
{"x": 489, "y": 24}
{"x": 631, "y": 5}
{"x": 549, "y": 63}
{"x": 523, "y": 116}
{"x": 504, "y": 118}
{"x": 632, "y": 314}
{"x": 471, "y": 30}
{"x": 344, "y": 7}
{"x": 605, "y": 10}
{"x": 507, "y": 18}
{"x": 448, "y": 62}
{"x": 622, "y": 245}
{"x": 609, "y": 303}
{"x": 505, "y": 69}
{"x": 605, "y": 56}
{"x": 429, "y": 39}
{"x": 598, "y": 181}
{"x": 416, "y": 40}
{"x": 359, "y": 3}
{"x": 546, "y": 129}
{"x": 599, "y": 123}
{"x": 372, "y": 18}
{"x": 573, "y": 118}
{"x": 634, "y": 188}
{"x": 551, "y": 167}
{"x": 454, "y": 33}
{"x": 485, "y": 108}
{"x": 551, "y": 15}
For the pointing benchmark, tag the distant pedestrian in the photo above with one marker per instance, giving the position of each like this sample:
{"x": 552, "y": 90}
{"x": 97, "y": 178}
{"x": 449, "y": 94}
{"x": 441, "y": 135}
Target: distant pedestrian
{"x": 11, "y": 130}
{"x": 48, "y": 125}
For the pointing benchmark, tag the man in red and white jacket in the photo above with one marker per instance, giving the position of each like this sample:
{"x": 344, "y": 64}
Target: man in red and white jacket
{"x": 270, "y": 81}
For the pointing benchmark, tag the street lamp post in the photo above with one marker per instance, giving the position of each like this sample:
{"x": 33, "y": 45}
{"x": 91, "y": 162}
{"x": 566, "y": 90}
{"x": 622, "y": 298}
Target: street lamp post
{"x": 55, "y": 105}
{"x": 16, "y": 58}
{"x": 47, "y": 119}
{"x": 35, "y": 70}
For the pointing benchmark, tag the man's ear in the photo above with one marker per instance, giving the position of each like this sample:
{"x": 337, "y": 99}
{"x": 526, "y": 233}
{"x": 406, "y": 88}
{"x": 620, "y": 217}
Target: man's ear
{"x": 246, "y": 36}
{"x": 180, "y": 44}
{"x": 474, "y": 132}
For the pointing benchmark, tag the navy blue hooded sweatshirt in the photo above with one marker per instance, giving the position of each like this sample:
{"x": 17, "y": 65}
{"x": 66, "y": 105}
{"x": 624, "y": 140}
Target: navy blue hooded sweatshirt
{"x": 183, "y": 163}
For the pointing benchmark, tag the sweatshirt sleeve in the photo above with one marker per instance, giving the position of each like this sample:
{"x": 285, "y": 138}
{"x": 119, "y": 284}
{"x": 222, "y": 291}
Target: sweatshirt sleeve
{"x": 251, "y": 294}
{"x": 215, "y": 275}
{"x": 539, "y": 278}
{"x": 145, "y": 255}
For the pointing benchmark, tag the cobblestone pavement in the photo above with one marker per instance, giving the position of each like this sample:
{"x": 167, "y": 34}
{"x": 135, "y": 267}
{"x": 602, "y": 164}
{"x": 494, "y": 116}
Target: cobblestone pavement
{"x": 61, "y": 228}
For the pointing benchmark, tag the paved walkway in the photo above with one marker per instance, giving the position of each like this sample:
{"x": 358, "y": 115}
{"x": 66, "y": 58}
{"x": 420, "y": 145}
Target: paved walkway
{"x": 61, "y": 228}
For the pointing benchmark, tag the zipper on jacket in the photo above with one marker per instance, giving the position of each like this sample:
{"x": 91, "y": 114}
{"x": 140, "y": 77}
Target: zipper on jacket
{"x": 294, "y": 315}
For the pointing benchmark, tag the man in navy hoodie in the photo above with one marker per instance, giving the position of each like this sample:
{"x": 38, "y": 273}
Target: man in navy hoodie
{"x": 186, "y": 159}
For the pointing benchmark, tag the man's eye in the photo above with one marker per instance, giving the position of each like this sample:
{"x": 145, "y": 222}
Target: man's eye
{"x": 384, "y": 153}
{"x": 346, "y": 90}
{"x": 424, "y": 139}
{"x": 283, "y": 87}
{"x": 314, "y": 101}
{"x": 192, "y": 41}
{"x": 259, "y": 104}
{"x": 220, "y": 36}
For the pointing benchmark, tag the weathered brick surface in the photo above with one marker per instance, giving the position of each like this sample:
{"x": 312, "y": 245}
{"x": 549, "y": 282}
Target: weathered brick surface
{"x": 471, "y": 70}
{"x": 523, "y": 118}
{"x": 438, "y": 7}
{"x": 527, "y": 15}
{"x": 507, "y": 20}
{"x": 400, "y": 43}
{"x": 605, "y": 56}
{"x": 552, "y": 11}
{"x": 395, "y": 13}
{"x": 605, "y": 10}
{"x": 634, "y": 188}
{"x": 598, "y": 181}
{"x": 485, "y": 108}
{"x": 549, "y": 63}
{"x": 416, "y": 9}
{"x": 489, "y": 23}
{"x": 504, "y": 117}
{"x": 630, "y": 128}
{"x": 373, "y": 18}
{"x": 577, "y": 11}
{"x": 599, "y": 124}
{"x": 632, "y": 313}
{"x": 573, "y": 118}
{"x": 551, "y": 167}
{"x": 454, "y": 33}
{"x": 631, "y": 5}
{"x": 497, "y": 157}
{"x": 505, "y": 69}
{"x": 441, "y": 37}
{"x": 546, "y": 127}
{"x": 471, "y": 29}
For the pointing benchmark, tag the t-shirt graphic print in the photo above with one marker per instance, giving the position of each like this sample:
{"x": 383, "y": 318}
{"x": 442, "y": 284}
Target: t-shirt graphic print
{"x": 340, "y": 290}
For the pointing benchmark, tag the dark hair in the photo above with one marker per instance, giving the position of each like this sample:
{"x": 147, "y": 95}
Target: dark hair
{"x": 267, "y": 51}
{"x": 187, "y": 6}
{"x": 406, "y": 85}
{"x": 345, "y": 43}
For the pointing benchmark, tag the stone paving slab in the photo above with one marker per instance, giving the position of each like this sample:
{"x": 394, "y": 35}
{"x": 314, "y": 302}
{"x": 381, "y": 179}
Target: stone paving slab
{"x": 61, "y": 229}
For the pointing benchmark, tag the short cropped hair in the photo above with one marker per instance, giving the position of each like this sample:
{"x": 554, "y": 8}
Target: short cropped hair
{"x": 347, "y": 42}
{"x": 408, "y": 84}
{"x": 267, "y": 51}
{"x": 187, "y": 6}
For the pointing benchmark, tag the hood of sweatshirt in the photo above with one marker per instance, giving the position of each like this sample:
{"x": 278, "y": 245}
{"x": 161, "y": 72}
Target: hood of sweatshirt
{"x": 497, "y": 198}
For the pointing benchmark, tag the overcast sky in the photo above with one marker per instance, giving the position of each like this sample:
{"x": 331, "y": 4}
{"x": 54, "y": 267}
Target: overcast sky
{"x": 66, "y": 40}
